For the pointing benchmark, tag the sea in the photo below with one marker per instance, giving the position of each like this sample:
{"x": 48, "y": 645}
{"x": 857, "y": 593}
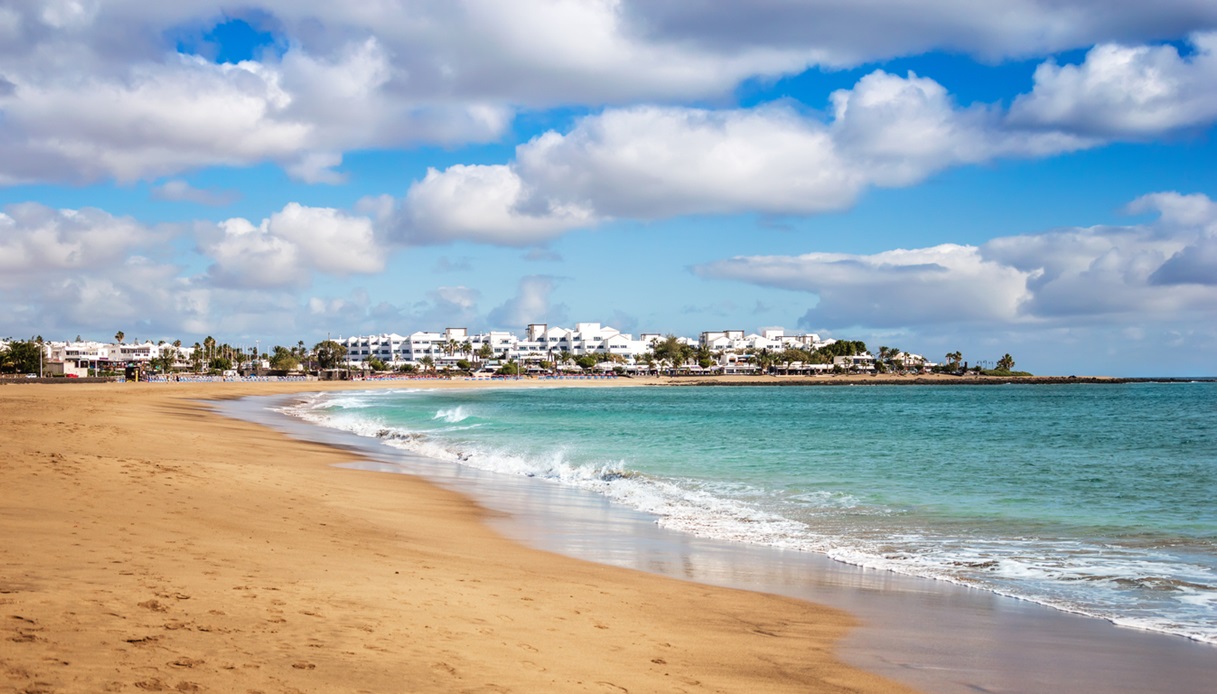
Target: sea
{"x": 1095, "y": 499}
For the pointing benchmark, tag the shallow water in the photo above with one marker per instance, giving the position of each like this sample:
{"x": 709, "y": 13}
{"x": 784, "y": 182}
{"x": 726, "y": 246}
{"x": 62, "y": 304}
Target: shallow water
{"x": 1095, "y": 499}
{"x": 934, "y": 635}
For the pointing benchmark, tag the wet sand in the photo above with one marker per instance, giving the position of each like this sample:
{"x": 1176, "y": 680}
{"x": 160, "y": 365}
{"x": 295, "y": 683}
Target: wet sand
{"x": 152, "y": 545}
{"x": 932, "y": 635}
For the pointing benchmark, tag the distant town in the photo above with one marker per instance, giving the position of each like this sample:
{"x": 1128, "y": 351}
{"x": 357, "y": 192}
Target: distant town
{"x": 588, "y": 348}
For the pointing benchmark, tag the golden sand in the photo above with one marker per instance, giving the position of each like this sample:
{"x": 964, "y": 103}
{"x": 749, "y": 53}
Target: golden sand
{"x": 150, "y": 545}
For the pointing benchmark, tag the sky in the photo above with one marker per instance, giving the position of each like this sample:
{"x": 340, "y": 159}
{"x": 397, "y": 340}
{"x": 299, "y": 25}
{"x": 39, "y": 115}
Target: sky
{"x": 1030, "y": 177}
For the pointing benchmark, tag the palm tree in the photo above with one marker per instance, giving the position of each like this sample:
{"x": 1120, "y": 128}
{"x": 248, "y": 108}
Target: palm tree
{"x": 118, "y": 336}
{"x": 1006, "y": 363}
{"x": 954, "y": 358}
{"x": 428, "y": 363}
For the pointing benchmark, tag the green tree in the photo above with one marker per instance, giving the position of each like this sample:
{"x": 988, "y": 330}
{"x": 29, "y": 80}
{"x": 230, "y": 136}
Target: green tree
{"x": 284, "y": 359}
{"x": 21, "y": 356}
{"x": 673, "y": 352}
{"x": 329, "y": 354}
{"x": 841, "y": 348}
{"x": 763, "y": 360}
{"x": 377, "y": 364}
{"x": 648, "y": 358}
{"x": 118, "y": 336}
{"x": 1006, "y": 363}
{"x": 427, "y": 363}
{"x": 166, "y": 359}
{"x": 209, "y": 348}
{"x": 196, "y": 358}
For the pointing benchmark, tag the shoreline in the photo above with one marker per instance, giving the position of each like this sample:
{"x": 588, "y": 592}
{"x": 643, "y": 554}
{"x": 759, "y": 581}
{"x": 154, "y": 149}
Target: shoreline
{"x": 934, "y": 635}
{"x": 154, "y": 544}
{"x": 685, "y": 380}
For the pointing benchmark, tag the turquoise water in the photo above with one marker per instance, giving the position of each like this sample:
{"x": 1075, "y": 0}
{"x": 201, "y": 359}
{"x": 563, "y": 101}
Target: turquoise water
{"x": 1097, "y": 499}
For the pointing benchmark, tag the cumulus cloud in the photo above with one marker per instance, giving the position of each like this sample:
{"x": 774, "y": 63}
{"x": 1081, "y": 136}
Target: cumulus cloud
{"x": 1163, "y": 270}
{"x": 661, "y": 161}
{"x": 177, "y": 190}
{"x": 286, "y": 248}
{"x": 1126, "y": 91}
{"x": 844, "y": 32}
{"x": 531, "y": 304}
{"x": 75, "y": 270}
{"x": 946, "y": 283}
{"x": 93, "y": 90}
{"x": 159, "y": 118}
{"x": 487, "y": 204}
{"x": 66, "y": 271}
{"x": 35, "y": 240}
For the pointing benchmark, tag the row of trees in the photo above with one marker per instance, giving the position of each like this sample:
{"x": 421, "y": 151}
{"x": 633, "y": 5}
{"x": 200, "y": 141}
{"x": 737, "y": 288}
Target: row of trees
{"x": 671, "y": 353}
{"x": 21, "y": 356}
{"x": 954, "y": 363}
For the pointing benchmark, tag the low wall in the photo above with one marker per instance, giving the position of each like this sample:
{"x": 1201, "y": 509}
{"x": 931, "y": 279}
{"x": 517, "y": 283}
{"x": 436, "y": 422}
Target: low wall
{"x": 22, "y": 379}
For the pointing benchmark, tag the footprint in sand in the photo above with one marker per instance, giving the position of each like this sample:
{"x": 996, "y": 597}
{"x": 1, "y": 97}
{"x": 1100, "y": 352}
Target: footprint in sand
{"x": 154, "y": 605}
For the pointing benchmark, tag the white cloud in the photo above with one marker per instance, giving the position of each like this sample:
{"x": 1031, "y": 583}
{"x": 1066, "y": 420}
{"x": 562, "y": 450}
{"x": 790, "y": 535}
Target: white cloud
{"x": 177, "y": 190}
{"x": 942, "y": 284}
{"x": 1176, "y": 210}
{"x": 286, "y": 248}
{"x": 845, "y": 32}
{"x": 460, "y": 297}
{"x": 160, "y": 118}
{"x": 96, "y": 90}
{"x": 64, "y": 272}
{"x": 664, "y": 161}
{"x": 653, "y": 162}
{"x": 1162, "y": 270}
{"x": 531, "y": 304}
{"x": 484, "y": 204}
{"x": 36, "y": 240}
{"x": 1126, "y": 91}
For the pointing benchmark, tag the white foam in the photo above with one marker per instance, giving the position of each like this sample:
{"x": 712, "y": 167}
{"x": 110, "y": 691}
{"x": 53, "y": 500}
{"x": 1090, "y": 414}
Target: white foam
{"x": 1104, "y": 581}
{"x": 452, "y": 416}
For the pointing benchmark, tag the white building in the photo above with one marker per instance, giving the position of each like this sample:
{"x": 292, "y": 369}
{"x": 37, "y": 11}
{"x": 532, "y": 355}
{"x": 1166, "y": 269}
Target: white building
{"x": 541, "y": 342}
{"x": 78, "y": 357}
{"x": 772, "y": 339}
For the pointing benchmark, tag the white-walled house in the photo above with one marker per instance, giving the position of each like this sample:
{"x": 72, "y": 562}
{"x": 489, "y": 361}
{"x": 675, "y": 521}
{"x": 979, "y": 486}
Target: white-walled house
{"x": 78, "y": 357}
{"x": 541, "y": 342}
{"x": 772, "y": 339}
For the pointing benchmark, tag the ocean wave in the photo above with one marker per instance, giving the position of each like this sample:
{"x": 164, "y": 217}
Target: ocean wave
{"x": 453, "y": 415}
{"x": 1130, "y": 586}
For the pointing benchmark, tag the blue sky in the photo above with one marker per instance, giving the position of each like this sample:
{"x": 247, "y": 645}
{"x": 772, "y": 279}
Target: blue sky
{"x": 1030, "y": 178}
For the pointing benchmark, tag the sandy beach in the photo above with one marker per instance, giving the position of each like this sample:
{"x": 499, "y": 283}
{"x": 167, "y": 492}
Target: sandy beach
{"x": 151, "y": 545}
